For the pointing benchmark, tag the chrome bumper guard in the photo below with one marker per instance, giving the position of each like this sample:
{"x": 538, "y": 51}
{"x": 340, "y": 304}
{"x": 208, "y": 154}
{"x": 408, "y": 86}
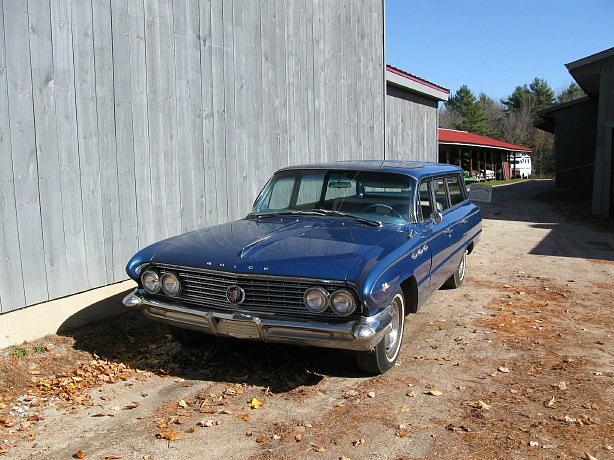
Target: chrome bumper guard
{"x": 361, "y": 335}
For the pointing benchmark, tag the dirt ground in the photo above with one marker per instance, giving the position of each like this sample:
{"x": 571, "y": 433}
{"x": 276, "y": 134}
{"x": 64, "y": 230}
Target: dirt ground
{"x": 516, "y": 363}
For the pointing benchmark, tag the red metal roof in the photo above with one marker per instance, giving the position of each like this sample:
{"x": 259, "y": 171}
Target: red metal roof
{"x": 416, "y": 79}
{"x": 452, "y": 136}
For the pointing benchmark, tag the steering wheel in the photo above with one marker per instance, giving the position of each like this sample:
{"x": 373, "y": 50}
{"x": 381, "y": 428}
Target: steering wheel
{"x": 383, "y": 206}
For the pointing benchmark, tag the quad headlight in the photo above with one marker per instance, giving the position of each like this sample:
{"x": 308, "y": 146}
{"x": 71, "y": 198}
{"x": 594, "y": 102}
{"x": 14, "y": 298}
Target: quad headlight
{"x": 151, "y": 281}
{"x": 316, "y": 299}
{"x": 342, "y": 302}
{"x": 170, "y": 284}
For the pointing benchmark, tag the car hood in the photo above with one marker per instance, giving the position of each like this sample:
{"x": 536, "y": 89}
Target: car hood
{"x": 318, "y": 247}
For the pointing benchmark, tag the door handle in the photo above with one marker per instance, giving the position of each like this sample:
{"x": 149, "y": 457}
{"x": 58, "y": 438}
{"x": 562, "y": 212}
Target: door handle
{"x": 448, "y": 231}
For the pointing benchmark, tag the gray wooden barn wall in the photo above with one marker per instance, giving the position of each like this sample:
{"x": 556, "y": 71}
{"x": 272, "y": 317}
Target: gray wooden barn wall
{"x": 411, "y": 126}
{"x": 123, "y": 122}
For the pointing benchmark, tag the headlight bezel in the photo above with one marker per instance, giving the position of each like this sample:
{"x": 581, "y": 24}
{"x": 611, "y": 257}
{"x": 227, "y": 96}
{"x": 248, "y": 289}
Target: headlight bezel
{"x": 143, "y": 283}
{"x": 326, "y": 297}
{"x": 352, "y": 302}
{"x": 167, "y": 275}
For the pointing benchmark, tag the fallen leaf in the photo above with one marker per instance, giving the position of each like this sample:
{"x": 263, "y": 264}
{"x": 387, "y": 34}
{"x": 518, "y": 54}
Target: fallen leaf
{"x": 169, "y": 435}
{"x": 255, "y": 403}
{"x": 402, "y": 433}
{"x": 351, "y": 394}
{"x": 504, "y": 369}
{"x": 101, "y": 414}
{"x": 404, "y": 408}
{"x": 183, "y": 404}
{"x": 371, "y": 394}
{"x": 358, "y": 442}
{"x": 598, "y": 373}
{"x": 132, "y": 405}
{"x": 208, "y": 423}
{"x": 562, "y": 385}
{"x": 298, "y": 437}
{"x": 245, "y": 417}
{"x": 262, "y": 439}
{"x": 112, "y": 456}
{"x": 226, "y": 412}
{"x": 317, "y": 448}
{"x": 276, "y": 437}
{"x": 533, "y": 443}
{"x": 482, "y": 405}
{"x": 588, "y": 456}
{"x": 433, "y": 392}
{"x": 411, "y": 394}
{"x": 550, "y": 402}
{"x": 79, "y": 454}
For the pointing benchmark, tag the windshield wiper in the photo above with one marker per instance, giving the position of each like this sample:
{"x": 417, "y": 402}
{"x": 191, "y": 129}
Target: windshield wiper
{"x": 364, "y": 220}
{"x": 320, "y": 212}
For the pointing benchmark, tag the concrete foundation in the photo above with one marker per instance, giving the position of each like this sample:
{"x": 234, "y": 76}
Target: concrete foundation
{"x": 69, "y": 312}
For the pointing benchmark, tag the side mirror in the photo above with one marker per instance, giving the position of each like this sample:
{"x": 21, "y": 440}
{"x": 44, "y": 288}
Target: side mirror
{"x": 436, "y": 217}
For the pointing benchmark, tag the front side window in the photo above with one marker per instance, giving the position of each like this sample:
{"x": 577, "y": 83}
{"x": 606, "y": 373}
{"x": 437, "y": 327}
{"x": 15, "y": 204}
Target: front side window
{"x": 441, "y": 197}
{"x": 381, "y": 196}
{"x": 455, "y": 190}
{"x": 424, "y": 197}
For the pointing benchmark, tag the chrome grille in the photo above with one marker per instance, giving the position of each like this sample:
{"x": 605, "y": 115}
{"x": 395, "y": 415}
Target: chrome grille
{"x": 262, "y": 294}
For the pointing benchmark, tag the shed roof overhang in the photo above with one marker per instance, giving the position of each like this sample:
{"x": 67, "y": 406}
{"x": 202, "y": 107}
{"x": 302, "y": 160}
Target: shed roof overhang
{"x": 546, "y": 118}
{"x": 587, "y": 71}
{"x": 464, "y": 138}
{"x": 416, "y": 84}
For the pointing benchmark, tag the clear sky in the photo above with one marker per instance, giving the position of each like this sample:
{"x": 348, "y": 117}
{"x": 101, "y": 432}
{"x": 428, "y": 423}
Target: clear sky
{"x": 495, "y": 45}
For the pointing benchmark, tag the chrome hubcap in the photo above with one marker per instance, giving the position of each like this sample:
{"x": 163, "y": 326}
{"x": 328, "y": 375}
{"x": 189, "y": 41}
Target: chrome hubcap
{"x": 393, "y": 337}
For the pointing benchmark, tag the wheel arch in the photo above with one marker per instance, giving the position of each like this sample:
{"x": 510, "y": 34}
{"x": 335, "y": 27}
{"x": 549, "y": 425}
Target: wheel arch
{"x": 409, "y": 287}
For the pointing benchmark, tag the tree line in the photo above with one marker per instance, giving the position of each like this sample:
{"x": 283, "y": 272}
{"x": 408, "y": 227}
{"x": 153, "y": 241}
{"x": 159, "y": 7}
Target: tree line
{"x": 510, "y": 119}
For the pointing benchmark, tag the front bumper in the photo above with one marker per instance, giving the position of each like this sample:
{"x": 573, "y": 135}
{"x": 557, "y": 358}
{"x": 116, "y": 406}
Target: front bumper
{"x": 360, "y": 335}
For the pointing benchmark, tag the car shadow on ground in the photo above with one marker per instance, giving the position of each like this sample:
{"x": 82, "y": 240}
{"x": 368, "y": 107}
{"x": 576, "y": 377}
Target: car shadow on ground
{"x": 146, "y": 345}
{"x": 572, "y": 231}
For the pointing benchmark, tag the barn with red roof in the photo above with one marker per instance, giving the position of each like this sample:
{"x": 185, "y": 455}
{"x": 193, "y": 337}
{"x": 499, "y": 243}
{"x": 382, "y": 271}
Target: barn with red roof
{"x": 481, "y": 156}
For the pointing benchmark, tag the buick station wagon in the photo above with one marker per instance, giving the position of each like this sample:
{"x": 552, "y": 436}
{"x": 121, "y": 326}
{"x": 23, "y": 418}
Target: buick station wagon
{"x": 332, "y": 255}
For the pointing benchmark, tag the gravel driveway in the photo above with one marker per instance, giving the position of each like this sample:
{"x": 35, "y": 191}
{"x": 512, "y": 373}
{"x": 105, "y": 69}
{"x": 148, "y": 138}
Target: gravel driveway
{"x": 518, "y": 362}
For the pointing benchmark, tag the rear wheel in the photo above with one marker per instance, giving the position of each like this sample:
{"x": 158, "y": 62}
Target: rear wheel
{"x": 385, "y": 353}
{"x": 190, "y": 338}
{"x": 457, "y": 279}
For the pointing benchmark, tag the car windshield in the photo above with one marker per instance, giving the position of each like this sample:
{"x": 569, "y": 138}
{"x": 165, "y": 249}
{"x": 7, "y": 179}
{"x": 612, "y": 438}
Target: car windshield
{"x": 369, "y": 195}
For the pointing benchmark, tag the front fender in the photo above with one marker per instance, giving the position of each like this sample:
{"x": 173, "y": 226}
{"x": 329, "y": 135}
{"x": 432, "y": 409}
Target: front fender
{"x": 380, "y": 280}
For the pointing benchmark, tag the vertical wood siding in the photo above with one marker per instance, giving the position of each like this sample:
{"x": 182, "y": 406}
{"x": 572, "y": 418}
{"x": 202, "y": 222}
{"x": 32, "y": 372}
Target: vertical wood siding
{"x": 123, "y": 122}
{"x": 411, "y": 126}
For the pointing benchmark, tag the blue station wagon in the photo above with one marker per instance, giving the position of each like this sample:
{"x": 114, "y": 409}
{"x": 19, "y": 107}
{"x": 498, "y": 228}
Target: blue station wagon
{"x": 332, "y": 255}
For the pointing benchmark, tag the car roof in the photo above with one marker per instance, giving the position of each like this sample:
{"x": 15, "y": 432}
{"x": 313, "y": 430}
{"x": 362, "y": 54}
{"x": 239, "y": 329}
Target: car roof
{"x": 416, "y": 169}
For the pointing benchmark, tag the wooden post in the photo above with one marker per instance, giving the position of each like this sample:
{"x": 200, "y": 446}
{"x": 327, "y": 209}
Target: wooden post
{"x": 492, "y": 164}
{"x": 470, "y": 162}
{"x": 448, "y": 155}
{"x": 514, "y": 160}
{"x": 460, "y": 157}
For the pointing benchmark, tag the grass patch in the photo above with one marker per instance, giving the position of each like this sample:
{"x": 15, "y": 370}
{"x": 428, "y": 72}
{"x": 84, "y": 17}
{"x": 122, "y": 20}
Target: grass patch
{"x": 492, "y": 183}
{"x": 40, "y": 349}
{"x": 19, "y": 352}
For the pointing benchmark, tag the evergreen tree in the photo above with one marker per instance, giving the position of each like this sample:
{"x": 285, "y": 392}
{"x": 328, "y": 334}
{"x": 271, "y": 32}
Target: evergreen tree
{"x": 543, "y": 95}
{"x": 573, "y": 91}
{"x": 471, "y": 115}
{"x": 520, "y": 97}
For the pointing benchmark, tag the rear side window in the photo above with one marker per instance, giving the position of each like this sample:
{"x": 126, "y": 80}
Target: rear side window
{"x": 441, "y": 197}
{"x": 424, "y": 195}
{"x": 455, "y": 190}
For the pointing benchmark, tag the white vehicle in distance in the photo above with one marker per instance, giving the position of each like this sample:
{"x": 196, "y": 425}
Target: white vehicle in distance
{"x": 521, "y": 166}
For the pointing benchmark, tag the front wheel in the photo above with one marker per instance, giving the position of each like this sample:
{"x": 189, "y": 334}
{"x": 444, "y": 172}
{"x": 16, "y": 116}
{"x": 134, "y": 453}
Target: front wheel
{"x": 386, "y": 352}
{"x": 457, "y": 279}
